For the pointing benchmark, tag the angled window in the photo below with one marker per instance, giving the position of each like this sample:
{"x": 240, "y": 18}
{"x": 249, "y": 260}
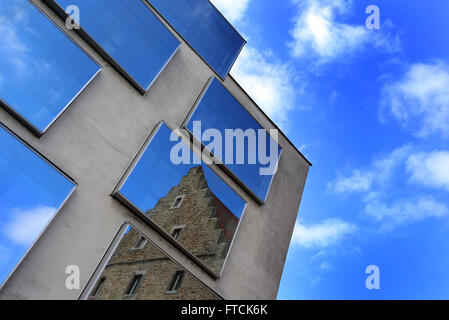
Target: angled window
{"x": 177, "y": 203}
{"x": 205, "y": 29}
{"x": 140, "y": 244}
{"x": 127, "y": 34}
{"x": 98, "y": 287}
{"x": 41, "y": 70}
{"x": 31, "y": 193}
{"x": 176, "y": 281}
{"x": 176, "y": 231}
{"x": 134, "y": 284}
{"x": 144, "y": 275}
{"x": 245, "y": 149}
{"x": 165, "y": 168}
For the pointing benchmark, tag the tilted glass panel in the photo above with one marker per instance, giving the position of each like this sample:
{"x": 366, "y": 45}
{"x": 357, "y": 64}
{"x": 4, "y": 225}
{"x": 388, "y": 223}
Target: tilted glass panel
{"x": 154, "y": 270}
{"x": 31, "y": 193}
{"x": 205, "y": 29}
{"x": 129, "y": 33}
{"x": 210, "y": 210}
{"x": 41, "y": 69}
{"x": 219, "y": 110}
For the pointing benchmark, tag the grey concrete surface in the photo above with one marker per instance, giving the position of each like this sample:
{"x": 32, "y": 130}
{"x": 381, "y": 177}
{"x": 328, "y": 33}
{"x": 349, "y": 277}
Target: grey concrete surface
{"x": 95, "y": 141}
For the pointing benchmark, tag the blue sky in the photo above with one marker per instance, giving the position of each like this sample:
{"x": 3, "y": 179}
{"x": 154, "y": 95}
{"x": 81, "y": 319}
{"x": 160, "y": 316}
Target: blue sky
{"x": 370, "y": 109}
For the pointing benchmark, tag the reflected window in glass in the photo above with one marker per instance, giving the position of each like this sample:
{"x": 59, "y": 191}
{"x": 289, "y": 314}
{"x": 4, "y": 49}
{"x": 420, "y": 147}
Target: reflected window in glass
{"x": 41, "y": 70}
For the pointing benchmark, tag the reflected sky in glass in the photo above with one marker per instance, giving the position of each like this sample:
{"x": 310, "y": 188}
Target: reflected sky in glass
{"x": 41, "y": 69}
{"x": 31, "y": 191}
{"x": 219, "y": 110}
{"x": 154, "y": 175}
{"x": 129, "y": 33}
{"x": 205, "y": 29}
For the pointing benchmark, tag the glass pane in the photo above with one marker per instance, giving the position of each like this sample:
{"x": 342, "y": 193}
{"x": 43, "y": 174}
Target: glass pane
{"x": 210, "y": 209}
{"x": 219, "y": 110}
{"x": 129, "y": 33}
{"x": 41, "y": 69}
{"x": 154, "y": 269}
{"x": 205, "y": 29}
{"x": 31, "y": 192}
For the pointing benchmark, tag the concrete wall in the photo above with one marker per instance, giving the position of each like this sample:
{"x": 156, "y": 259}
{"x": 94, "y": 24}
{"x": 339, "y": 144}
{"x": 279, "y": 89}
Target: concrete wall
{"x": 95, "y": 141}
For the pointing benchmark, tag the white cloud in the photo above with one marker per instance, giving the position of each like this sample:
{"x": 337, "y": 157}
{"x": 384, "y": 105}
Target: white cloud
{"x": 405, "y": 211}
{"x": 233, "y": 10}
{"x": 378, "y": 172}
{"x": 323, "y": 234}
{"x": 430, "y": 169}
{"x": 319, "y": 32}
{"x": 420, "y": 99}
{"x": 26, "y": 225}
{"x": 268, "y": 81}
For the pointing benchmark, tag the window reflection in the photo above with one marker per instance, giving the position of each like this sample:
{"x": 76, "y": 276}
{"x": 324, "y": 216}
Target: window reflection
{"x": 148, "y": 274}
{"x": 205, "y": 29}
{"x": 130, "y": 34}
{"x": 209, "y": 212}
{"x": 41, "y": 69}
{"x": 219, "y": 110}
{"x": 31, "y": 192}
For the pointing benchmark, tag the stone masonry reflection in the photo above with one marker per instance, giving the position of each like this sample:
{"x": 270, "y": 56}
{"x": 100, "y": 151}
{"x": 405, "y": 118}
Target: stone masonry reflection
{"x": 206, "y": 225}
{"x": 196, "y": 218}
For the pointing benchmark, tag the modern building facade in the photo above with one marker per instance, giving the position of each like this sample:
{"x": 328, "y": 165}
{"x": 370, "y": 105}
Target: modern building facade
{"x": 101, "y": 103}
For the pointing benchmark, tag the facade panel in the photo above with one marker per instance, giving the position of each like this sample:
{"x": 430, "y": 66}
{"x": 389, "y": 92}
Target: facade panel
{"x": 205, "y": 29}
{"x": 41, "y": 70}
{"x": 31, "y": 193}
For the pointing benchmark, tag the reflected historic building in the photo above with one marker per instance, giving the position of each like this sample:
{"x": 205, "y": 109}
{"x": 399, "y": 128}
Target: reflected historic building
{"x": 138, "y": 270}
{"x": 194, "y": 216}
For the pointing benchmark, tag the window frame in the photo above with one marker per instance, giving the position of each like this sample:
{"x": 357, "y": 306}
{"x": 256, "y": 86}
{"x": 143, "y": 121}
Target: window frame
{"x": 217, "y": 161}
{"x": 173, "y": 29}
{"x": 116, "y": 194}
{"x": 175, "y": 228}
{"x": 69, "y": 195}
{"x": 106, "y": 56}
{"x": 176, "y": 282}
{"x": 98, "y": 287}
{"x": 134, "y": 284}
{"x": 141, "y": 243}
{"x": 19, "y": 117}
{"x": 182, "y": 197}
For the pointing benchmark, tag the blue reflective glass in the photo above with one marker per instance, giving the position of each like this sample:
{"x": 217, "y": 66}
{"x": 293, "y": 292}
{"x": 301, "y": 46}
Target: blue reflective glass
{"x": 205, "y": 29}
{"x": 41, "y": 69}
{"x": 31, "y": 192}
{"x": 219, "y": 110}
{"x": 130, "y": 34}
{"x": 189, "y": 194}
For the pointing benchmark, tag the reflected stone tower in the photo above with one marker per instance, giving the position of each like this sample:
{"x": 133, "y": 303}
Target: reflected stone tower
{"x": 196, "y": 218}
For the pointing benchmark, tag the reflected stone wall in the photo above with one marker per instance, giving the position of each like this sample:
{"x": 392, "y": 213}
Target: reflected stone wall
{"x": 208, "y": 226}
{"x": 157, "y": 269}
